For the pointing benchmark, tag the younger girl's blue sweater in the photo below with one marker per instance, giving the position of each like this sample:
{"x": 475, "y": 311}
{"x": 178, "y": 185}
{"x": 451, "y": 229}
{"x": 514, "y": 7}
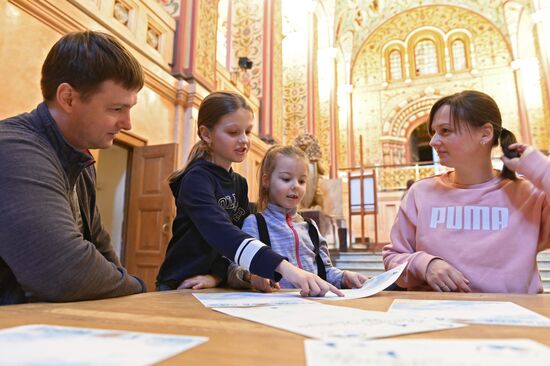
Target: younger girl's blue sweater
{"x": 282, "y": 240}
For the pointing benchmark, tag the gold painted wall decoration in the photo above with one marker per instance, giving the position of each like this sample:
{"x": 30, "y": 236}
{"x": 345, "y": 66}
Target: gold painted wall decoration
{"x": 384, "y": 107}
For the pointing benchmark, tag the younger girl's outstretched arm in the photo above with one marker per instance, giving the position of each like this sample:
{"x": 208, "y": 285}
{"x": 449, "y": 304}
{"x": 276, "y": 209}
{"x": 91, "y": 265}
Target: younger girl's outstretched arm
{"x": 309, "y": 283}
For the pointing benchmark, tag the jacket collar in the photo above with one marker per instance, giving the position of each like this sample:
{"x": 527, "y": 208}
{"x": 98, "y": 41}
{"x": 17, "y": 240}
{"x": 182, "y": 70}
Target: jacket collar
{"x": 279, "y": 211}
{"x": 73, "y": 161}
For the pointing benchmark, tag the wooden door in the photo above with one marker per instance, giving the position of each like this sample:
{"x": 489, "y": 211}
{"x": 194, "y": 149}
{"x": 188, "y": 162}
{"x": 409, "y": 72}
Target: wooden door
{"x": 150, "y": 210}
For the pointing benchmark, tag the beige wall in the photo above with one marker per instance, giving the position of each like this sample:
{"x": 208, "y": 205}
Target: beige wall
{"x": 24, "y": 43}
{"x": 153, "y": 117}
{"x": 25, "y": 40}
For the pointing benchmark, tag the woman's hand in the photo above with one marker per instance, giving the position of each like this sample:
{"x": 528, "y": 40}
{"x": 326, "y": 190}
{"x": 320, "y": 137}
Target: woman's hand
{"x": 200, "y": 282}
{"x": 353, "y": 279}
{"x": 308, "y": 283}
{"x": 513, "y": 164}
{"x": 443, "y": 277}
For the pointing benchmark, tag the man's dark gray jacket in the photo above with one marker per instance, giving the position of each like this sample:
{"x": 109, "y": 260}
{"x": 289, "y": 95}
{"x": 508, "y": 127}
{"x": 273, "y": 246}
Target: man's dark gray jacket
{"x": 53, "y": 246}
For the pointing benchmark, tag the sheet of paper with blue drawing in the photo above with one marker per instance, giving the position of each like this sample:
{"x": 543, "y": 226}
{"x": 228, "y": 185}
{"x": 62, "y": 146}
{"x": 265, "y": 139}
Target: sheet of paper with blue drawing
{"x": 371, "y": 287}
{"x": 236, "y": 299}
{"x": 479, "y": 312}
{"x": 330, "y": 321}
{"x": 60, "y": 345}
{"x": 427, "y": 352}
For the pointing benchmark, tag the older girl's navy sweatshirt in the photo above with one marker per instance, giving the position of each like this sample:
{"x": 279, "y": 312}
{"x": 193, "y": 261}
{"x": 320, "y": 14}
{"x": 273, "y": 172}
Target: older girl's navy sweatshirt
{"x": 212, "y": 204}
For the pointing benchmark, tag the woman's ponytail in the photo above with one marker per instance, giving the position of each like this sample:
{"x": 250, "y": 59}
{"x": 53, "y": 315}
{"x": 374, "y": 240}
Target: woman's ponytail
{"x": 199, "y": 151}
{"x": 506, "y": 139}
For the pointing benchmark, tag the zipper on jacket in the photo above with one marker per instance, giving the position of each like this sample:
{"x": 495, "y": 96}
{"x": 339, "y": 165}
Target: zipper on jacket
{"x": 296, "y": 240}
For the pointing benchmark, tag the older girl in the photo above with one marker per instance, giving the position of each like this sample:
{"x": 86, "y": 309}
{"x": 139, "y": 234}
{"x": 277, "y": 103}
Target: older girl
{"x": 212, "y": 203}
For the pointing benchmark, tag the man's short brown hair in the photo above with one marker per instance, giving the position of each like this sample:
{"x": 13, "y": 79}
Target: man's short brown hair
{"x": 85, "y": 60}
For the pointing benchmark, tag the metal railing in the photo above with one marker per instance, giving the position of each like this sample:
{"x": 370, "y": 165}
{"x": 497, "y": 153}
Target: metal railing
{"x": 394, "y": 177}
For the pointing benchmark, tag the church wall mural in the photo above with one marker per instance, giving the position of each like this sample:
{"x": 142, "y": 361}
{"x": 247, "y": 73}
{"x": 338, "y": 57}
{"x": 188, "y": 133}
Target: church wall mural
{"x": 379, "y": 103}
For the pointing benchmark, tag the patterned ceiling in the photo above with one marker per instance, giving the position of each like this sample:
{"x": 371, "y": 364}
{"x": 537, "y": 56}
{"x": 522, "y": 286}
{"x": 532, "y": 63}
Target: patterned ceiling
{"x": 362, "y": 17}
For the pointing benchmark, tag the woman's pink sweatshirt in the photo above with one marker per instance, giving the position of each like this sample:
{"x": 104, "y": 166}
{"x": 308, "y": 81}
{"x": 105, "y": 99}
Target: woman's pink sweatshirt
{"x": 491, "y": 232}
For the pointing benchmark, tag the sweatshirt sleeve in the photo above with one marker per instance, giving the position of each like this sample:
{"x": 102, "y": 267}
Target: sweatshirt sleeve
{"x": 402, "y": 247}
{"x": 197, "y": 195}
{"x": 99, "y": 235}
{"x": 220, "y": 268}
{"x": 536, "y": 167}
{"x": 40, "y": 241}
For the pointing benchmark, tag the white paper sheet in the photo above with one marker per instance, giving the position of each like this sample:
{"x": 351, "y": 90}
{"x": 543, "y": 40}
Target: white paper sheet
{"x": 56, "y": 345}
{"x": 371, "y": 287}
{"x": 330, "y": 321}
{"x": 478, "y": 312}
{"x": 236, "y": 299}
{"x": 427, "y": 352}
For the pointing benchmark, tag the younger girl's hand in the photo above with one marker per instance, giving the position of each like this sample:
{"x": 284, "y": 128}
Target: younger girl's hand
{"x": 200, "y": 282}
{"x": 353, "y": 279}
{"x": 513, "y": 164}
{"x": 263, "y": 284}
{"x": 309, "y": 283}
{"x": 443, "y": 277}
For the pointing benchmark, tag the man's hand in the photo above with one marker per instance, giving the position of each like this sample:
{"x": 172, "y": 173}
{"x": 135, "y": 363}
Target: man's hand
{"x": 443, "y": 277}
{"x": 200, "y": 282}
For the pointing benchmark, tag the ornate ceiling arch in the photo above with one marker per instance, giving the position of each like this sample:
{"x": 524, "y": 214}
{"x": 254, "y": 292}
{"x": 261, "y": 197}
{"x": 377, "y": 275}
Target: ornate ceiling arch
{"x": 404, "y": 118}
{"x": 488, "y": 38}
{"x": 363, "y": 17}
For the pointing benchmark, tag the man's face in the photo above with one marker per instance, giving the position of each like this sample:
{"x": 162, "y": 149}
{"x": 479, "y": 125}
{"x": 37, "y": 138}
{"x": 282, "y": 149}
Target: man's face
{"x": 96, "y": 120}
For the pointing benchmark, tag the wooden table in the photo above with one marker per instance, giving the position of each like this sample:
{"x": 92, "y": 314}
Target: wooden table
{"x": 234, "y": 341}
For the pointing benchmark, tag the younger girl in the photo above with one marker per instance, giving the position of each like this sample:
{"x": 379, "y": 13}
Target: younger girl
{"x": 283, "y": 176}
{"x": 474, "y": 229}
{"x": 212, "y": 203}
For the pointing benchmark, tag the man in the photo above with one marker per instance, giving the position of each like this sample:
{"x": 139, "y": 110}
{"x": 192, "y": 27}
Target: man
{"x": 53, "y": 246}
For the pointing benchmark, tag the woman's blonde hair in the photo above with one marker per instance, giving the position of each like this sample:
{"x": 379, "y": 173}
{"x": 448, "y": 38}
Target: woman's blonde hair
{"x": 268, "y": 165}
{"x": 212, "y": 109}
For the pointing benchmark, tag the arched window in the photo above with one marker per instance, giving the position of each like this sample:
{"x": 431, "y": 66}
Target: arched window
{"x": 458, "y": 44}
{"x": 419, "y": 144}
{"x": 425, "y": 55}
{"x": 458, "y": 50}
{"x": 396, "y": 72}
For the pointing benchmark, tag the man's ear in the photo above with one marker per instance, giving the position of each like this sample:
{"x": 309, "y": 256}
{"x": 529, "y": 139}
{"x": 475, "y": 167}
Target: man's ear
{"x": 65, "y": 96}
{"x": 204, "y": 133}
{"x": 487, "y": 132}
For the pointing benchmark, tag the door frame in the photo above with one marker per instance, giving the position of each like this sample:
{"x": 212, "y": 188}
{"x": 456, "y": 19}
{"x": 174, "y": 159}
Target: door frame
{"x": 129, "y": 141}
